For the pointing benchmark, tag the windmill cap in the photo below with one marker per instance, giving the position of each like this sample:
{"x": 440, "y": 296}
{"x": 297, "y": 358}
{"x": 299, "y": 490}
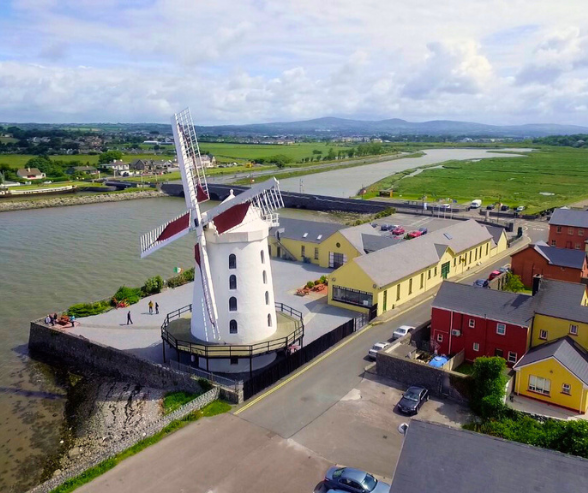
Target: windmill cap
{"x": 231, "y": 196}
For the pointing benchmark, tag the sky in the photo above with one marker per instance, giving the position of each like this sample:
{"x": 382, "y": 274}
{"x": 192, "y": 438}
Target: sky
{"x": 251, "y": 61}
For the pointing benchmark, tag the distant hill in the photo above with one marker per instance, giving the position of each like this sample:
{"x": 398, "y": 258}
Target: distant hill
{"x": 395, "y": 126}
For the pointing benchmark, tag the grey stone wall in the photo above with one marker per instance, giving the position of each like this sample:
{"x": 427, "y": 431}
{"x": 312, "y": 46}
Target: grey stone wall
{"x": 441, "y": 383}
{"x": 118, "y": 447}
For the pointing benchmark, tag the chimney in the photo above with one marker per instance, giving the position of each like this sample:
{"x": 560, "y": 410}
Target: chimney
{"x": 536, "y": 283}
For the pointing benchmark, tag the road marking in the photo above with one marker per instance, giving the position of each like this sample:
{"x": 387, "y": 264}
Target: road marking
{"x": 324, "y": 356}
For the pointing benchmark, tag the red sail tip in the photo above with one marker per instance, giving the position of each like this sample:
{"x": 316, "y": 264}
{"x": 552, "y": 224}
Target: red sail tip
{"x": 176, "y": 226}
{"x": 231, "y": 217}
{"x": 201, "y": 195}
{"x": 197, "y": 253}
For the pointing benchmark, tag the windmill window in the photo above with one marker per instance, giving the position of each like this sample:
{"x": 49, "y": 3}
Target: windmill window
{"x": 262, "y": 257}
{"x": 264, "y": 277}
{"x": 267, "y": 297}
{"x": 232, "y": 261}
{"x": 233, "y": 282}
{"x": 233, "y": 327}
{"x": 269, "y": 319}
{"x": 232, "y": 304}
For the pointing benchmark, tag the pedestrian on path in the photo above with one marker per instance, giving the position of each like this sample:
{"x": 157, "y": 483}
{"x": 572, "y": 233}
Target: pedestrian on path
{"x": 55, "y": 317}
{"x": 48, "y": 319}
{"x": 156, "y": 308}
{"x": 73, "y": 320}
{"x": 150, "y": 307}
{"x": 129, "y": 320}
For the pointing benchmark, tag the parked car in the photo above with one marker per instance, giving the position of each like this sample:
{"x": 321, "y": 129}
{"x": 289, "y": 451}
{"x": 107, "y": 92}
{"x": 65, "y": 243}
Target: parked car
{"x": 423, "y": 231}
{"x": 445, "y": 206}
{"x": 504, "y": 207}
{"x": 476, "y": 204}
{"x": 520, "y": 208}
{"x": 354, "y": 480}
{"x": 323, "y": 487}
{"x": 376, "y": 348}
{"x": 494, "y": 274}
{"x": 414, "y": 234}
{"x": 402, "y": 331}
{"x": 504, "y": 268}
{"x": 481, "y": 283}
{"x": 398, "y": 231}
{"x": 490, "y": 207}
{"x": 374, "y": 225}
{"x": 412, "y": 400}
{"x": 384, "y": 227}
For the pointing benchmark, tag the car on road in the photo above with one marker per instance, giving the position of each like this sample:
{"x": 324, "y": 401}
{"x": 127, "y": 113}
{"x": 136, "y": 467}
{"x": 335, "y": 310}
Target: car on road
{"x": 494, "y": 274}
{"x": 376, "y": 348}
{"x": 520, "y": 208}
{"x": 423, "y": 231}
{"x": 398, "y": 231}
{"x": 415, "y": 234}
{"x": 384, "y": 227}
{"x": 504, "y": 268}
{"x": 490, "y": 207}
{"x": 480, "y": 283}
{"x": 412, "y": 400}
{"x": 504, "y": 207}
{"x": 402, "y": 331}
{"x": 323, "y": 487}
{"x": 354, "y": 480}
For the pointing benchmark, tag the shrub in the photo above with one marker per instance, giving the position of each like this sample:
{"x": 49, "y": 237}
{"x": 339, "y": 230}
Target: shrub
{"x": 130, "y": 295}
{"x": 88, "y": 309}
{"x": 310, "y": 284}
{"x": 489, "y": 386}
{"x": 152, "y": 285}
{"x": 513, "y": 283}
{"x": 205, "y": 385}
{"x": 181, "y": 279}
{"x": 317, "y": 282}
{"x": 324, "y": 279}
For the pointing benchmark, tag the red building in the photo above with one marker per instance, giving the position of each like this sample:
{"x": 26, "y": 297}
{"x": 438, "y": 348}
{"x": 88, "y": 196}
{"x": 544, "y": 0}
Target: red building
{"x": 483, "y": 322}
{"x": 568, "y": 229}
{"x": 561, "y": 264}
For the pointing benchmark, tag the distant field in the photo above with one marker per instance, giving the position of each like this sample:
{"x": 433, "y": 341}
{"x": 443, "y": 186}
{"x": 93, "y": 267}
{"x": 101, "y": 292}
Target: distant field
{"x": 19, "y": 160}
{"x": 560, "y": 171}
{"x": 7, "y": 140}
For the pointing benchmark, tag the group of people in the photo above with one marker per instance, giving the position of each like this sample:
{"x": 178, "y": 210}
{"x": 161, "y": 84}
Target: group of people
{"x": 151, "y": 306}
{"x": 52, "y": 318}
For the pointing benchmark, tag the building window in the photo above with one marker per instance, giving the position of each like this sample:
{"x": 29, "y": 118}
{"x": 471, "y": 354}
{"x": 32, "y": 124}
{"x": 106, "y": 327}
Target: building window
{"x": 512, "y": 357}
{"x": 234, "y": 360}
{"x": 574, "y": 330}
{"x": 429, "y": 274}
{"x": 233, "y": 327}
{"x": 580, "y": 232}
{"x": 352, "y": 296}
{"x": 316, "y": 253}
{"x": 476, "y": 255}
{"x": 578, "y": 246}
{"x": 439, "y": 337}
{"x": 232, "y": 261}
{"x": 435, "y": 271}
{"x": 566, "y": 388}
{"x": 553, "y": 243}
{"x": 233, "y": 282}
{"x": 262, "y": 257}
{"x": 455, "y": 262}
{"x": 232, "y": 304}
{"x": 487, "y": 248}
{"x": 302, "y": 251}
{"x": 267, "y": 297}
{"x": 499, "y": 352}
{"x": 558, "y": 229}
{"x": 336, "y": 260}
{"x": 476, "y": 347}
{"x": 269, "y": 319}
{"x": 543, "y": 335}
{"x": 422, "y": 280}
{"x": 264, "y": 275}
{"x": 570, "y": 231}
{"x": 410, "y": 286}
{"x": 397, "y": 292}
{"x": 501, "y": 329}
{"x": 472, "y": 323}
{"x": 539, "y": 385}
{"x": 470, "y": 261}
{"x": 269, "y": 250}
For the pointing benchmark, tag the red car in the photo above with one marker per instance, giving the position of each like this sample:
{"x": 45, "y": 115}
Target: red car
{"x": 494, "y": 274}
{"x": 398, "y": 231}
{"x": 415, "y": 234}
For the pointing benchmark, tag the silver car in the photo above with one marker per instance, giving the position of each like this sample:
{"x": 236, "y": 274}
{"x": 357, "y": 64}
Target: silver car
{"x": 354, "y": 481}
{"x": 402, "y": 331}
{"x": 376, "y": 348}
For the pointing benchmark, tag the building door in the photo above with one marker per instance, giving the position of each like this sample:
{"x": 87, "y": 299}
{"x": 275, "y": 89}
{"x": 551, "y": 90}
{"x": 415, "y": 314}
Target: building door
{"x": 385, "y": 300}
{"x": 336, "y": 260}
{"x": 445, "y": 270}
{"x": 279, "y": 255}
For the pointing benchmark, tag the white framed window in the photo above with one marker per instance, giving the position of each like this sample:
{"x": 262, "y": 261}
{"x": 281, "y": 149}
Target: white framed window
{"x": 566, "y": 388}
{"x": 456, "y": 332}
{"x": 578, "y": 246}
{"x": 476, "y": 347}
{"x": 573, "y": 329}
{"x": 580, "y": 232}
{"x": 558, "y": 229}
{"x": 471, "y": 323}
{"x": 570, "y": 231}
{"x": 501, "y": 329}
{"x": 543, "y": 335}
{"x": 539, "y": 385}
{"x": 553, "y": 243}
{"x": 439, "y": 337}
{"x": 512, "y": 357}
{"x": 316, "y": 253}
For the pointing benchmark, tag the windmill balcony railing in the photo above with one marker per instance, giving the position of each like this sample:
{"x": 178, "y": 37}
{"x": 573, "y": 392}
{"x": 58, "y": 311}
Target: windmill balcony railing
{"x": 215, "y": 350}
{"x": 273, "y": 219}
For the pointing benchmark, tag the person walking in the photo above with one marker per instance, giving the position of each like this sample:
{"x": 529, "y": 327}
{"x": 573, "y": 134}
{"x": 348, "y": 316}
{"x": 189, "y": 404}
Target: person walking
{"x": 54, "y": 319}
{"x": 72, "y": 319}
{"x": 129, "y": 320}
{"x": 150, "y": 307}
{"x": 48, "y": 319}
{"x": 156, "y": 308}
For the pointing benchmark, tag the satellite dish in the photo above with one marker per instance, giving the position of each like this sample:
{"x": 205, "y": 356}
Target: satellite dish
{"x": 402, "y": 428}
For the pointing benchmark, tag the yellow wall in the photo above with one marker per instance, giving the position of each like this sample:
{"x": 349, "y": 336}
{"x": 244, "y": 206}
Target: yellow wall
{"x": 558, "y": 375}
{"x": 351, "y": 276}
{"x": 500, "y": 247}
{"x": 556, "y": 328}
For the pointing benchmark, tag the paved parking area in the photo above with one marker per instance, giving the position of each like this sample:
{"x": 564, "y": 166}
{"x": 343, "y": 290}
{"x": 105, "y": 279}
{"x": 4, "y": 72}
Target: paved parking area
{"x": 411, "y": 222}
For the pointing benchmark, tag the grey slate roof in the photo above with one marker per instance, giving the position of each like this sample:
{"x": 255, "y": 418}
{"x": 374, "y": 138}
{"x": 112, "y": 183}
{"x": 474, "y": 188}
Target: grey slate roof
{"x": 565, "y": 350}
{"x": 562, "y": 257}
{"x": 569, "y": 217}
{"x": 374, "y": 242}
{"x": 496, "y": 233}
{"x": 561, "y": 299}
{"x": 355, "y": 235}
{"x": 440, "y": 459}
{"x": 294, "y": 229}
{"x": 399, "y": 261}
{"x": 501, "y": 306}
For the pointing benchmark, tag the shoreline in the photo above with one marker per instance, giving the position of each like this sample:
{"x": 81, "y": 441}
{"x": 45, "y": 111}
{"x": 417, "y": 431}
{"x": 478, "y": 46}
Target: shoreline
{"x": 63, "y": 201}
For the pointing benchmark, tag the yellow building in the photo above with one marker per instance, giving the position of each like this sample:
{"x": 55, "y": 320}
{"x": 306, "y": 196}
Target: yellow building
{"x": 396, "y": 274}
{"x": 500, "y": 241}
{"x": 555, "y": 372}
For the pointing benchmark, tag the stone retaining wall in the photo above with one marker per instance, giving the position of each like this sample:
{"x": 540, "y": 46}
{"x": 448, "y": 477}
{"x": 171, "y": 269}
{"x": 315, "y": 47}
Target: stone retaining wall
{"x": 120, "y": 446}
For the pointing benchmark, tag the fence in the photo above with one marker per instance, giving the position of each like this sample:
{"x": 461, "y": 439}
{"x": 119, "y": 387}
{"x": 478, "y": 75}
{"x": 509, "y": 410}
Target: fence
{"x": 234, "y": 385}
{"x": 279, "y": 369}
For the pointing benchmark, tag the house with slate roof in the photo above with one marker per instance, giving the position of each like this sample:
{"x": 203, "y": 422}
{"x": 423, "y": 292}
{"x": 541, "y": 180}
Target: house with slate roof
{"x": 568, "y": 228}
{"x": 562, "y": 264}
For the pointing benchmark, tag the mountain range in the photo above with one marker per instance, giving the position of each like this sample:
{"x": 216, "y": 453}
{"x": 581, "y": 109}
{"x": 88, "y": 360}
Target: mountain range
{"x": 394, "y": 127}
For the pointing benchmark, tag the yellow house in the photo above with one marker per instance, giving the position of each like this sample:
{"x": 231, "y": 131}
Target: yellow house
{"x": 560, "y": 310}
{"x": 555, "y": 372}
{"x": 499, "y": 240}
{"x": 391, "y": 276}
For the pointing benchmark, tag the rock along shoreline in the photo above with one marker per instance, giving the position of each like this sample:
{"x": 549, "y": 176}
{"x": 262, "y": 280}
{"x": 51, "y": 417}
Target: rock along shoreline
{"x": 65, "y": 200}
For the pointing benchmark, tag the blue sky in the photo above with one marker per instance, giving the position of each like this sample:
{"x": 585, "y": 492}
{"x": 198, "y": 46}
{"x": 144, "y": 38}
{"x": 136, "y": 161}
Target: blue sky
{"x": 255, "y": 61}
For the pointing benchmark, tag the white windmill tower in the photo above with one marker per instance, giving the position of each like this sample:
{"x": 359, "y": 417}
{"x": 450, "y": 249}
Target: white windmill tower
{"x": 233, "y": 300}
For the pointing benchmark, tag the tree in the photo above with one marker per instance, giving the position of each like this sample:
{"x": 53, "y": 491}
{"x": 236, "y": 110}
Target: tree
{"x": 331, "y": 155}
{"x": 513, "y": 283}
{"x": 280, "y": 160}
{"x": 489, "y": 386}
{"x": 109, "y": 156}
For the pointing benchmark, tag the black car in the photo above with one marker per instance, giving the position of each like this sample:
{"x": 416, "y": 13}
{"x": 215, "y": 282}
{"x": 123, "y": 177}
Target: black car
{"x": 412, "y": 400}
{"x": 504, "y": 207}
{"x": 490, "y": 207}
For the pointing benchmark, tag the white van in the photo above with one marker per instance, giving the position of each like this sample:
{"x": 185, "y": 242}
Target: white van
{"x": 476, "y": 204}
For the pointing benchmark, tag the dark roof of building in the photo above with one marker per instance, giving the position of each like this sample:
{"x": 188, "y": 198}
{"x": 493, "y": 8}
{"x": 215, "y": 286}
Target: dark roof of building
{"x": 565, "y": 350}
{"x": 561, "y": 299}
{"x": 501, "y": 306}
{"x": 310, "y": 231}
{"x": 374, "y": 242}
{"x": 562, "y": 257}
{"x": 569, "y": 217}
{"x": 496, "y": 232}
{"x": 442, "y": 459}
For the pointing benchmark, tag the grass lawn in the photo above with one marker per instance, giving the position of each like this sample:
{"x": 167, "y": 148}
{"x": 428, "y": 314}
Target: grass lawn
{"x": 174, "y": 400}
{"x": 214, "y": 408}
{"x": 465, "y": 368}
{"x": 560, "y": 172}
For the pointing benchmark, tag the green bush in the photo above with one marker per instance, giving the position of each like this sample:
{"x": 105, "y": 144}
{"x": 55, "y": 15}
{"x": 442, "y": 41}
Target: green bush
{"x": 513, "y": 283}
{"x": 88, "y": 309}
{"x": 489, "y": 386}
{"x": 205, "y": 385}
{"x": 130, "y": 295}
{"x": 310, "y": 284}
{"x": 323, "y": 279}
{"x": 153, "y": 285}
{"x": 181, "y": 279}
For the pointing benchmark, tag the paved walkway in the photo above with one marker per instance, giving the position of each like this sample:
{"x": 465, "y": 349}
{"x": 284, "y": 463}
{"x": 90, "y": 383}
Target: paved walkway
{"x": 524, "y": 404}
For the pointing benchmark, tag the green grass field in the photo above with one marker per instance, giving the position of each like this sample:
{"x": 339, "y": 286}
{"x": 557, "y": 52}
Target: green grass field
{"x": 559, "y": 171}
{"x": 19, "y": 160}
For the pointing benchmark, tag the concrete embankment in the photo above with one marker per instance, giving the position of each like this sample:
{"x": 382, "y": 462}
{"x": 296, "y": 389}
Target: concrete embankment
{"x": 60, "y": 201}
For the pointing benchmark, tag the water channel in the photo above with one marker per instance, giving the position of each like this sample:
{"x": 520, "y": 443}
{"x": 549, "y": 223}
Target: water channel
{"x": 53, "y": 258}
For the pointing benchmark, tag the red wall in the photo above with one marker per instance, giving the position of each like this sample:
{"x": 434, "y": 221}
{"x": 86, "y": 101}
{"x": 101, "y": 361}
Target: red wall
{"x": 484, "y": 333}
{"x": 529, "y": 263}
{"x": 566, "y": 240}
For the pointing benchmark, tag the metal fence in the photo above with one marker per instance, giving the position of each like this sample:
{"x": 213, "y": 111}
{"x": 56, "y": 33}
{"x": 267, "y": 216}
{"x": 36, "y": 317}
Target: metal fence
{"x": 234, "y": 385}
